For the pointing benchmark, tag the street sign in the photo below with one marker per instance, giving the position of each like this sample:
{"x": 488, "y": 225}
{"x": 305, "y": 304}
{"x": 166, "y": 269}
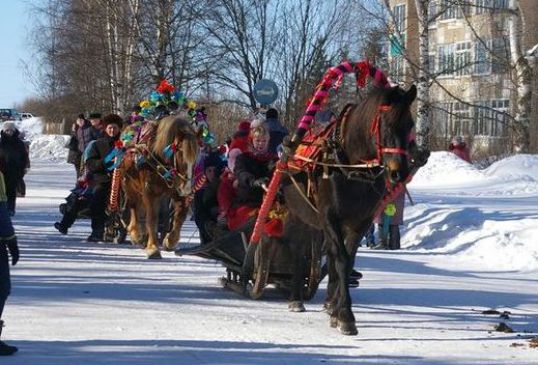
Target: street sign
{"x": 265, "y": 91}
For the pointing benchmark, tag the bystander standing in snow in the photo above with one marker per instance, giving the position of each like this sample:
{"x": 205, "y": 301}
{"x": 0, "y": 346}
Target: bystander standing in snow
{"x": 460, "y": 149}
{"x": 277, "y": 131}
{"x": 8, "y": 242}
{"x": 15, "y": 162}
{"x": 87, "y": 132}
{"x": 74, "y": 155}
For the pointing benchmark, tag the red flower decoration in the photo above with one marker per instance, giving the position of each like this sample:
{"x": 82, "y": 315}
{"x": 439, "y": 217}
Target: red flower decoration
{"x": 118, "y": 143}
{"x": 165, "y": 88}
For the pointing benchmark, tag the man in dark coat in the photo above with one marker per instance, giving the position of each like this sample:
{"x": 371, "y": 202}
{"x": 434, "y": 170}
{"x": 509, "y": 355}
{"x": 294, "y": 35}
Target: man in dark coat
{"x": 74, "y": 155}
{"x": 100, "y": 176}
{"x": 8, "y": 243}
{"x": 15, "y": 162}
{"x": 88, "y": 131}
{"x": 277, "y": 131}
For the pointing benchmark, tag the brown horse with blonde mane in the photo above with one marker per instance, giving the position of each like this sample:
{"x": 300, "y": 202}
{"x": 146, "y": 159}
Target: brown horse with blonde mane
{"x": 161, "y": 174}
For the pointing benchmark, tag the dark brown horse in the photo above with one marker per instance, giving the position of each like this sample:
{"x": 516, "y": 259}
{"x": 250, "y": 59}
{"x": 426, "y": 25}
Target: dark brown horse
{"x": 160, "y": 175}
{"x": 346, "y": 198}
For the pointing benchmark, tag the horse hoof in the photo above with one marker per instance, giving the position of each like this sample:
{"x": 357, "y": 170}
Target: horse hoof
{"x": 168, "y": 245}
{"x": 296, "y": 306}
{"x": 347, "y": 328}
{"x": 333, "y": 322}
{"x": 154, "y": 254}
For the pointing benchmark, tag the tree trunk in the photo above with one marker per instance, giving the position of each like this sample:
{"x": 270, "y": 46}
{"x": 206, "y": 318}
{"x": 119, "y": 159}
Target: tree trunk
{"x": 521, "y": 123}
{"x": 423, "y": 120}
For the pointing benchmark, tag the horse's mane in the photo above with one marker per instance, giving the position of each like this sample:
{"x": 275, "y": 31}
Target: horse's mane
{"x": 176, "y": 129}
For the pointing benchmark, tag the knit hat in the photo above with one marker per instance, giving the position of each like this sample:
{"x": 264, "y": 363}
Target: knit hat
{"x": 271, "y": 113}
{"x": 8, "y": 125}
{"x": 243, "y": 126}
{"x": 81, "y": 116}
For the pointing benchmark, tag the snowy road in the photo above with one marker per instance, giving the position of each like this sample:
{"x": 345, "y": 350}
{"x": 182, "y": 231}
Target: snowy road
{"x": 79, "y": 303}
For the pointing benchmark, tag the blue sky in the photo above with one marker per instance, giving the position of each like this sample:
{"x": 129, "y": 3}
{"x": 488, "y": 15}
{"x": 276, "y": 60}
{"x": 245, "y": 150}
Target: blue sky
{"x": 16, "y": 20}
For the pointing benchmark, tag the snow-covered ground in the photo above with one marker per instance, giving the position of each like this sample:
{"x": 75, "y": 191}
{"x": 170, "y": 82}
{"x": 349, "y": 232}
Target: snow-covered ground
{"x": 467, "y": 247}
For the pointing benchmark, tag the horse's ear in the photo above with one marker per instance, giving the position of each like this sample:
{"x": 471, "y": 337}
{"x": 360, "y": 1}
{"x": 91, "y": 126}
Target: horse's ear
{"x": 411, "y": 94}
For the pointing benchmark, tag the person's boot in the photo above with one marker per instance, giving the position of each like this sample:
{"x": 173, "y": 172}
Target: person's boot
{"x": 5, "y": 349}
{"x": 394, "y": 237}
{"x": 382, "y": 245}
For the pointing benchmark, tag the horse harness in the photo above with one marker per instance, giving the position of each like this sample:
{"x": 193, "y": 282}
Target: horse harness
{"x": 328, "y": 152}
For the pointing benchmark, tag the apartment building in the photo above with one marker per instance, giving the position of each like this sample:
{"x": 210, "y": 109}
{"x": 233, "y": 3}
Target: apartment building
{"x": 469, "y": 52}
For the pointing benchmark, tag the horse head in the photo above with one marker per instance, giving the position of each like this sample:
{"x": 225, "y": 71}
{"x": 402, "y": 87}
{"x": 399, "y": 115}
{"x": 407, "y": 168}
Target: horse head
{"x": 176, "y": 143}
{"x": 395, "y": 125}
{"x": 378, "y": 131}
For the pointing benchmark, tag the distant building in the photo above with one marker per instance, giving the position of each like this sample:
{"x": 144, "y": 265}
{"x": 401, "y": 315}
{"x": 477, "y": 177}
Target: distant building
{"x": 468, "y": 49}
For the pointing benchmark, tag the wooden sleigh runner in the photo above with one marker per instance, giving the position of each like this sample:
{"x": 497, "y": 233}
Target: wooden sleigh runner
{"x": 252, "y": 268}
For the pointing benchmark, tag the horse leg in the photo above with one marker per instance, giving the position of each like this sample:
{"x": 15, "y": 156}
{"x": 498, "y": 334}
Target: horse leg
{"x": 332, "y": 284}
{"x": 151, "y": 203}
{"x": 134, "y": 228}
{"x": 341, "y": 316}
{"x": 297, "y": 249}
{"x": 180, "y": 214}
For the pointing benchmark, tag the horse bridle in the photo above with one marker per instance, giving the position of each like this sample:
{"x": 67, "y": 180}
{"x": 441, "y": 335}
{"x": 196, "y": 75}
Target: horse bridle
{"x": 375, "y": 131}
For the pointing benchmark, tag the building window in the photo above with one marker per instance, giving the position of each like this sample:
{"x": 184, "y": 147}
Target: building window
{"x": 484, "y": 6}
{"x": 482, "y": 59}
{"x": 397, "y": 68}
{"x": 463, "y": 59}
{"x": 399, "y": 18}
{"x": 450, "y": 10}
{"x": 501, "y": 55}
{"x": 431, "y": 63}
{"x": 500, "y": 4}
{"x": 500, "y": 120}
{"x": 490, "y": 118}
{"x": 460, "y": 121}
{"x": 432, "y": 10}
{"x": 446, "y": 59}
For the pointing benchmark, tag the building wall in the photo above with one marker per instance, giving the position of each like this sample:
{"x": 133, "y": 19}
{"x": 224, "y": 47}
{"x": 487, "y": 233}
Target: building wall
{"x": 493, "y": 89}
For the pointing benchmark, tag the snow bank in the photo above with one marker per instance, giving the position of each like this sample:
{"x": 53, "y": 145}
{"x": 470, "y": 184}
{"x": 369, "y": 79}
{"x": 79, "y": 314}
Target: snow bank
{"x": 476, "y": 218}
{"x": 43, "y": 147}
{"x": 49, "y": 147}
{"x": 514, "y": 176}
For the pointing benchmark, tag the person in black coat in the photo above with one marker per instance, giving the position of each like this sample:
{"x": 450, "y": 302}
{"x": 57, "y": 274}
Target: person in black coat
{"x": 277, "y": 131}
{"x": 15, "y": 162}
{"x": 74, "y": 155}
{"x": 87, "y": 132}
{"x": 8, "y": 245}
{"x": 100, "y": 176}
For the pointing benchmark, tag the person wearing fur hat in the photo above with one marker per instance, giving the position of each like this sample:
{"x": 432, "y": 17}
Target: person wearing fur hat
{"x": 86, "y": 132}
{"x": 100, "y": 176}
{"x": 14, "y": 160}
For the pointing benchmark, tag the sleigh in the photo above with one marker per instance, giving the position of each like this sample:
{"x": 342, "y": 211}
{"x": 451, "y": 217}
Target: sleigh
{"x": 252, "y": 268}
